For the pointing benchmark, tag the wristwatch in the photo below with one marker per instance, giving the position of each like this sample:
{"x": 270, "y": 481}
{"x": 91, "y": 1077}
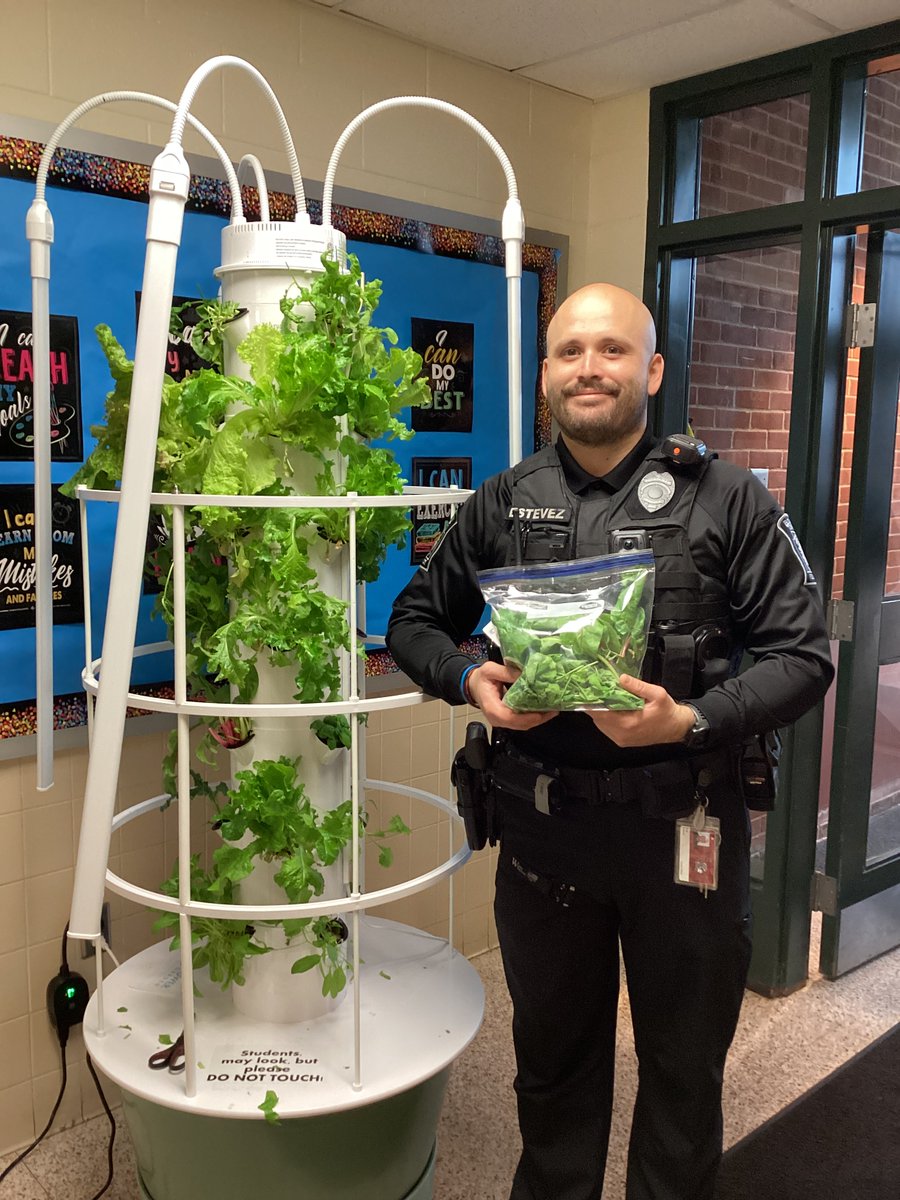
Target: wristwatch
{"x": 695, "y": 738}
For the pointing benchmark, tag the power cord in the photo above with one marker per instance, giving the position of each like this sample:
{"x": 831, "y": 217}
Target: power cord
{"x": 42, "y": 1135}
{"x": 112, "y": 1129}
{"x": 67, "y": 998}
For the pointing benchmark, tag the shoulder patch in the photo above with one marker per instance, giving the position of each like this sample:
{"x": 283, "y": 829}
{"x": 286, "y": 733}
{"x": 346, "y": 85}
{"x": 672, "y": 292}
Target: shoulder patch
{"x": 786, "y": 529}
{"x": 429, "y": 557}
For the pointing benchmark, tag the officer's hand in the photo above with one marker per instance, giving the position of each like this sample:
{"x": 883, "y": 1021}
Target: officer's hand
{"x": 662, "y": 719}
{"x": 487, "y": 686}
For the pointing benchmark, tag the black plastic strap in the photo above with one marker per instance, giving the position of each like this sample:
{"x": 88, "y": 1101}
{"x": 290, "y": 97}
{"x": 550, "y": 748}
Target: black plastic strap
{"x": 677, "y": 664}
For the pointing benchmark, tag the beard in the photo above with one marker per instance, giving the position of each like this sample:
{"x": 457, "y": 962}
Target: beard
{"x": 599, "y": 426}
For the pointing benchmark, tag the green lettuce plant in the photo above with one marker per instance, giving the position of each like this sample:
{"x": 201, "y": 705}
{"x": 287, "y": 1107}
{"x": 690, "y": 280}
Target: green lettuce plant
{"x": 327, "y": 387}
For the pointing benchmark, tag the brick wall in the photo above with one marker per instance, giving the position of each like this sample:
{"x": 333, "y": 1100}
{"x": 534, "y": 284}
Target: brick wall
{"x": 743, "y": 357}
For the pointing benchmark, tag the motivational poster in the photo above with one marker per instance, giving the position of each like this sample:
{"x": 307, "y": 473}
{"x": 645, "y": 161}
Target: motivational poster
{"x": 181, "y": 360}
{"x": 430, "y": 521}
{"x": 18, "y": 565}
{"x": 181, "y": 357}
{"x": 17, "y": 389}
{"x": 448, "y": 353}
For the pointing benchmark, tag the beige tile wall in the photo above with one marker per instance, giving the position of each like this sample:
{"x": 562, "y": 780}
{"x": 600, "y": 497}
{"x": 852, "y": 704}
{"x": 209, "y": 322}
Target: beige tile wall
{"x": 38, "y": 840}
{"x": 618, "y": 189}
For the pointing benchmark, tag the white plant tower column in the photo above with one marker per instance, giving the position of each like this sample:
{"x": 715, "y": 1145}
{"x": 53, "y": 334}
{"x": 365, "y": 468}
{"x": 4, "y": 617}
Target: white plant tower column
{"x": 262, "y": 263}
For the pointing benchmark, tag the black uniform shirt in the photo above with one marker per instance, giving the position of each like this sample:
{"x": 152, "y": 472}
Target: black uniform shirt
{"x": 582, "y": 483}
{"x": 738, "y": 534}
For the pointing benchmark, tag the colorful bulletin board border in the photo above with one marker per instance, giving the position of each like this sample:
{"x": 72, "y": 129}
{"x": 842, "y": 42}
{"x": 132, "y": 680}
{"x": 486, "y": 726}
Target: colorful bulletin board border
{"x": 104, "y": 175}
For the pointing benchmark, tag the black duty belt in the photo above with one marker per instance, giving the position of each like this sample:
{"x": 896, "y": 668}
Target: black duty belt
{"x": 549, "y": 786}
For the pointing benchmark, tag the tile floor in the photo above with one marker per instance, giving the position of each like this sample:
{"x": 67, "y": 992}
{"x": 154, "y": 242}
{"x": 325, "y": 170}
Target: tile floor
{"x": 782, "y": 1048}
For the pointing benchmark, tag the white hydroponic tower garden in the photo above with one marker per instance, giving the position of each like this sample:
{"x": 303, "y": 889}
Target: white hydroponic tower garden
{"x": 359, "y": 1076}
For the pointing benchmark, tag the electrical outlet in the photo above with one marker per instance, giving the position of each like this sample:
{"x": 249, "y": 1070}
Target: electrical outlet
{"x": 87, "y": 948}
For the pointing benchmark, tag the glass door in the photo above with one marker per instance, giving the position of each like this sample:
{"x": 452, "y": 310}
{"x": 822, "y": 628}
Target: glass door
{"x": 860, "y": 892}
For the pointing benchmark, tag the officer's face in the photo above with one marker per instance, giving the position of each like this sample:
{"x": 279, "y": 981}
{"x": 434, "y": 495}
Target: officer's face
{"x": 601, "y": 366}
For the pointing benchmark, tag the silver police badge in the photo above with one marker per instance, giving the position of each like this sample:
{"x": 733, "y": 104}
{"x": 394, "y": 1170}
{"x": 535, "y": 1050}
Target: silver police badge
{"x": 655, "y": 490}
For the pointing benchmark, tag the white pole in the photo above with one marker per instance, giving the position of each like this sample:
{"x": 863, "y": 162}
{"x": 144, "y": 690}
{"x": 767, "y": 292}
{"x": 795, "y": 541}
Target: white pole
{"x": 169, "y": 180}
{"x": 86, "y": 593}
{"x": 354, "y": 798}
{"x": 184, "y": 804}
{"x": 513, "y": 227}
{"x": 43, "y": 527}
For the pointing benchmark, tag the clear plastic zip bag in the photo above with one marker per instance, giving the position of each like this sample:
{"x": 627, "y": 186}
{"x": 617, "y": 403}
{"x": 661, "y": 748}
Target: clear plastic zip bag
{"x": 572, "y": 628}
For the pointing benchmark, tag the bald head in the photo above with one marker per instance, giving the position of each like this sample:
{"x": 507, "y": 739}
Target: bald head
{"x": 606, "y": 302}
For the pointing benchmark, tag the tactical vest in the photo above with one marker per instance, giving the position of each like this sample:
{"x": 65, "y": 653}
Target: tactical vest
{"x": 690, "y": 647}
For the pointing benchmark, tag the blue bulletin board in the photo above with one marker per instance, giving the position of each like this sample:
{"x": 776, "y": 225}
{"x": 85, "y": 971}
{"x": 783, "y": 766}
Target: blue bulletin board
{"x": 432, "y": 274}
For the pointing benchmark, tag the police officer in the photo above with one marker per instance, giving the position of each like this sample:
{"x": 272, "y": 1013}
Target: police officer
{"x": 589, "y": 804}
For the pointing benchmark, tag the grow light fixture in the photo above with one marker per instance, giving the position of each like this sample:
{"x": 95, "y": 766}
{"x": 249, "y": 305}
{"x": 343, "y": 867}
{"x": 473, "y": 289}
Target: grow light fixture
{"x": 512, "y": 230}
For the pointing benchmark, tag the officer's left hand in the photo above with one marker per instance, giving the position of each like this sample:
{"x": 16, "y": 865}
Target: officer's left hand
{"x": 662, "y": 719}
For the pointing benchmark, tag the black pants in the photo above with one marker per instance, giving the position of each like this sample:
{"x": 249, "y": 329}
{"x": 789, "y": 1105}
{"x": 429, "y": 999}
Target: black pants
{"x": 686, "y": 960}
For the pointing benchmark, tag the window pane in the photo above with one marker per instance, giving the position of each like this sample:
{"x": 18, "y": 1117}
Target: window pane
{"x": 884, "y": 802}
{"x": 742, "y": 364}
{"x": 742, "y": 357}
{"x": 753, "y": 157}
{"x": 881, "y": 136}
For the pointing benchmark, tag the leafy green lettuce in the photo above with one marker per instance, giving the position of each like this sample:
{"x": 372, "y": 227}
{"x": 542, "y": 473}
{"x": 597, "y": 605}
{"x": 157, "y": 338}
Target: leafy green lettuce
{"x": 572, "y": 662}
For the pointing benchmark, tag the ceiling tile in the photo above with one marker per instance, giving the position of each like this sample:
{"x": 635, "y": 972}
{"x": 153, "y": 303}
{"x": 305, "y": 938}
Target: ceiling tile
{"x": 734, "y": 34}
{"x": 516, "y": 33}
{"x": 598, "y": 48}
{"x": 846, "y": 15}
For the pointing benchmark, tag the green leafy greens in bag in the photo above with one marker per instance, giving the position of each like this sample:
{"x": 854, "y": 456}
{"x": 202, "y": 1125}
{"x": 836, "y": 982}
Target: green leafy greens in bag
{"x": 572, "y": 628}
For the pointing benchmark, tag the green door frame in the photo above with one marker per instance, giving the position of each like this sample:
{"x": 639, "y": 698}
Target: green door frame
{"x": 833, "y": 74}
{"x": 871, "y": 890}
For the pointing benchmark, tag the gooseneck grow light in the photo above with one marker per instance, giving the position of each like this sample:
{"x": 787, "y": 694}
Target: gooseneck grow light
{"x": 512, "y": 230}
{"x": 259, "y": 176}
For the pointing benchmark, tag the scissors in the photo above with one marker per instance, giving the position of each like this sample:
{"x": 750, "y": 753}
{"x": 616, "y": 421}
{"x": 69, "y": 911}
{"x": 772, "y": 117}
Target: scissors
{"x": 170, "y": 1056}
